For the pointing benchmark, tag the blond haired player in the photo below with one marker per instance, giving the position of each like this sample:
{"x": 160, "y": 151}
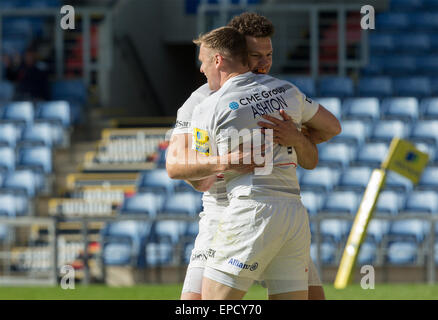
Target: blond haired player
{"x": 258, "y": 31}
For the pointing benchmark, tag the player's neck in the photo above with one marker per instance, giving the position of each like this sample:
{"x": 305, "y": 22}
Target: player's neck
{"x": 227, "y": 76}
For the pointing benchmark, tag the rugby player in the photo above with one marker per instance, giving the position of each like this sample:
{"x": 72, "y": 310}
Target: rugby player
{"x": 258, "y": 31}
{"x": 264, "y": 231}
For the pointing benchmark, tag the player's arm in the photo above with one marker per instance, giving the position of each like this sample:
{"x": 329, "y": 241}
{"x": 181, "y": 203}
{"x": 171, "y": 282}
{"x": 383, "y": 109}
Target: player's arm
{"x": 287, "y": 134}
{"x": 322, "y": 126}
{"x": 184, "y": 163}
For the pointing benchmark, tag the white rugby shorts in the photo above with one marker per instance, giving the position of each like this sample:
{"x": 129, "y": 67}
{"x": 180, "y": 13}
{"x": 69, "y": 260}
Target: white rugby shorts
{"x": 263, "y": 238}
{"x": 208, "y": 223}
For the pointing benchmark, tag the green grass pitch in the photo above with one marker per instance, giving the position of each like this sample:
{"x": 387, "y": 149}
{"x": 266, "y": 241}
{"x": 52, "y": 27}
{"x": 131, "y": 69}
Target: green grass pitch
{"x": 172, "y": 292}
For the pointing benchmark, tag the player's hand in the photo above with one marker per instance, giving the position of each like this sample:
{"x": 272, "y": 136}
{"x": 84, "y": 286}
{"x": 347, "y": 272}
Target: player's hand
{"x": 243, "y": 161}
{"x": 285, "y": 132}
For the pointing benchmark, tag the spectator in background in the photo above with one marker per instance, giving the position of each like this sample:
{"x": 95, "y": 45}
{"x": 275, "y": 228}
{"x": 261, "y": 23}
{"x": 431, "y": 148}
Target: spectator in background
{"x": 32, "y": 80}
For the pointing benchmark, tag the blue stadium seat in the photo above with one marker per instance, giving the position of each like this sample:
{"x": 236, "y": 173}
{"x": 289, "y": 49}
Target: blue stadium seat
{"x": 392, "y": 21}
{"x": 412, "y": 43}
{"x": 6, "y": 91}
{"x": 173, "y": 230}
{"x": 156, "y": 180}
{"x": 143, "y": 203}
{"x": 9, "y": 134}
{"x": 386, "y": 130}
{"x": 377, "y": 230}
{"x": 429, "y": 108}
{"x": 372, "y": 154}
{"x": 405, "y": 5}
{"x": 367, "y": 109}
{"x": 123, "y": 242}
{"x": 425, "y": 131}
{"x": 402, "y": 253}
{"x": 428, "y": 148}
{"x": 433, "y": 42}
{"x": 353, "y": 131}
{"x": 187, "y": 254}
{"x": 54, "y": 111}
{"x": 38, "y": 133}
{"x": 312, "y": 201}
{"x": 427, "y": 65}
{"x": 413, "y": 229}
{"x": 367, "y": 253}
{"x": 305, "y": 84}
{"x": 328, "y": 253}
{"x": 336, "y": 87}
{"x": 22, "y": 180}
{"x": 192, "y": 229}
{"x": 22, "y": 204}
{"x": 320, "y": 179}
{"x": 336, "y": 154}
{"x": 422, "y": 201}
{"x": 19, "y": 111}
{"x": 187, "y": 203}
{"x": 355, "y": 178}
{"x": 399, "y": 65}
{"x": 73, "y": 91}
{"x": 430, "y": 4}
{"x": 397, "y": 182}
{"x": 334, "y": 229}
{"x": 159, "y": 253}
{"x": 41, "y": 4}
{"x": 375, "y": 87}
{"x": 389, "y": 202}
{"x": 425, "y": 21}
{"x": 381, "y": 43}
{"x": 17, "y": 27}
{"x": 331, "y": 104}
{"x": 8, "y": 4}
{"x": 70, "y": 90}
{"x": 7, "y": 205}
{"x": 342, "y": 202}
{"x": 374, "y": 66}
{"x": 401, "y": 108}
{"x": 7, "y": 158}
{"x": 36, "y": 156}
{"x": 429, "y": 179}
{"x": 412, "y": 87}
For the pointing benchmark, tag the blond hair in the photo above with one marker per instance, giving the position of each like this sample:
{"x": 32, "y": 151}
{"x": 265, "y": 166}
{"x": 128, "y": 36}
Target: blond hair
{"x": 228, "y": 41}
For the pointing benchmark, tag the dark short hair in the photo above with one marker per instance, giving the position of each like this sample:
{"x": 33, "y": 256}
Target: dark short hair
{"x": 227, "y": 41}
{"x": 252, "y": 24}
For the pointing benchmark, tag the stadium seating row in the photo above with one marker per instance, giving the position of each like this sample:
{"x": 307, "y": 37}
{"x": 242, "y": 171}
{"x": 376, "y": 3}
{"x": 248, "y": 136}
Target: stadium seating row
{"x": 130, "y": 242}
{"x": 371, "y": 86}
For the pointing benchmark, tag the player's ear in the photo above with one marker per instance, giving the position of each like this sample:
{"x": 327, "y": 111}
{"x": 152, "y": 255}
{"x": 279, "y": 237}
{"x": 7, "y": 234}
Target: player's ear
{"x": 218, "y": 59}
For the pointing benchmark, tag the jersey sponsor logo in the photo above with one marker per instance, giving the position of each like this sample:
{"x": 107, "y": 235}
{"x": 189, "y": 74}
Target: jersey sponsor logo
{"x": 182, "y": 124}
{"x": 233, "y": 105}
{"x": 257, "y": 97}
{"x": 202, "y": 144}
{"x": 241, "y": 265}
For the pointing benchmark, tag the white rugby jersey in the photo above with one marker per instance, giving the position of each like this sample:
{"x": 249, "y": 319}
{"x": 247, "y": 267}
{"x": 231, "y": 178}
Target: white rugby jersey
{"x": 240, "y": 104}
{"x": 217, "y": 193}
